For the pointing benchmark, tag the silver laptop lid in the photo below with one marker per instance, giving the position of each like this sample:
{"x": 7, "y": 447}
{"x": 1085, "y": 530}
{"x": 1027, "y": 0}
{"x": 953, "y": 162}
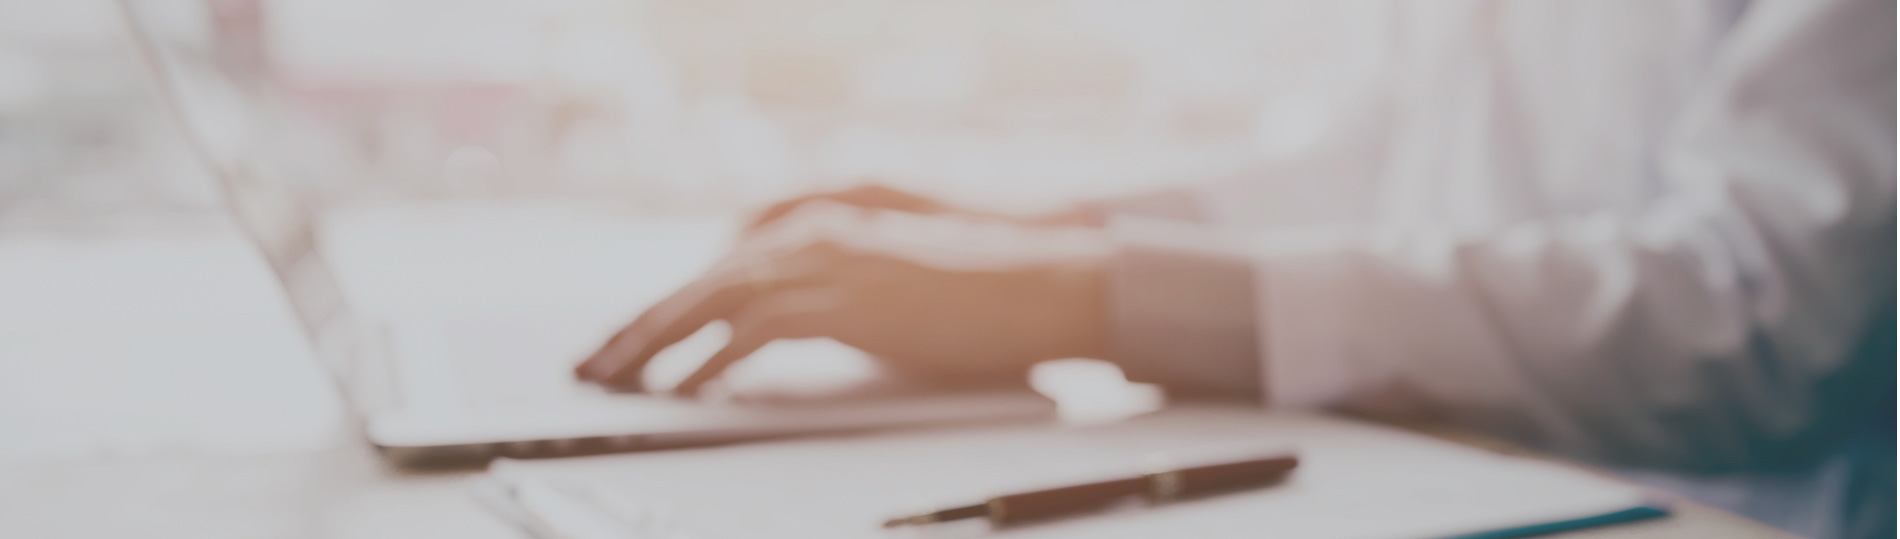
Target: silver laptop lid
{"x": 224, "y": 104}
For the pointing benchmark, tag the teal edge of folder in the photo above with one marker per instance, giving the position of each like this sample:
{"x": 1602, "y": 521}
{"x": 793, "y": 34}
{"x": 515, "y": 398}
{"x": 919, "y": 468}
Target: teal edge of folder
{"x": 1641, "y": 512}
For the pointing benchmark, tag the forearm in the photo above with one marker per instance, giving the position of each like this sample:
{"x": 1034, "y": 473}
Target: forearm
{"x": 1181, "y": 310}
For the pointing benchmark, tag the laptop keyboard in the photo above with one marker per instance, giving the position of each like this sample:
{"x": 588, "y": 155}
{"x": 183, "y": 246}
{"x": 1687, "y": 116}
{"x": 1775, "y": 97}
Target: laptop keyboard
{"x": 504, "y": 362}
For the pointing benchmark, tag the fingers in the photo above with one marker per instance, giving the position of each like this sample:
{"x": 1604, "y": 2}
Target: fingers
{"x": 621, "y": 362}
{"x": 779, "y": 210}
{"x": 791, "y": 314}
{"x": 605, "y": 361}
{"x": 866, "y": 196}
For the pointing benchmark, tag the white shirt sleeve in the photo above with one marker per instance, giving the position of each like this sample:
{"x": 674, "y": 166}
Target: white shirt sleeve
{"x": 1715, "y": 325}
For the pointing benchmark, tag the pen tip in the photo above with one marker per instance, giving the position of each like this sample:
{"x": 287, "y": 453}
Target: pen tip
{"x": 908, "y": 521}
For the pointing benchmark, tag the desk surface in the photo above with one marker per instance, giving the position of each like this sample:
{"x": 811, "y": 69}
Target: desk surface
{"x": 70, "y": 387}
{"x": 1687, "y": 518}
{"x": 347, "y": 492}
{"x": 49, "y": 488}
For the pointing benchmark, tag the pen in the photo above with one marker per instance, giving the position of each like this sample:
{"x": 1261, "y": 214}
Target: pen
{"x": 1159, "y": 487}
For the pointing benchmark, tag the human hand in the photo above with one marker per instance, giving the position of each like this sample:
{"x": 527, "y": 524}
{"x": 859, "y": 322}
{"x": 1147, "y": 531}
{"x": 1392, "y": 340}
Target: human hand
{"x": 940, "y": 297}
{"x": 875, "y": 196}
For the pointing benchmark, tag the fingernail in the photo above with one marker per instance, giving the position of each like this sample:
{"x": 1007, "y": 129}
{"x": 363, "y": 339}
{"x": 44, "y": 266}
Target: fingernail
{"x": 588, "y": 370}
{"x": 596, "y": 370}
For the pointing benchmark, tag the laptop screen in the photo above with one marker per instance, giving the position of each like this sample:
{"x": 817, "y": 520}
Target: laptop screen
{"x": 225, "y": 107}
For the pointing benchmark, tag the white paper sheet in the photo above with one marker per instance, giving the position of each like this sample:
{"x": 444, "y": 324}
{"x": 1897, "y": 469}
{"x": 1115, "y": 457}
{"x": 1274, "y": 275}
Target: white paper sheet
{"x": 1355, "y": 481}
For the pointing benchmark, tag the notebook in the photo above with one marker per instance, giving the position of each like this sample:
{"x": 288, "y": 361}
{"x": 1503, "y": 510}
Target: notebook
{"x": 1356, "y": 480}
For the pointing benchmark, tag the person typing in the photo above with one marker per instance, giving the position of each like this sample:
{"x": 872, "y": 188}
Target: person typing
{"x": 1665, "y": 245}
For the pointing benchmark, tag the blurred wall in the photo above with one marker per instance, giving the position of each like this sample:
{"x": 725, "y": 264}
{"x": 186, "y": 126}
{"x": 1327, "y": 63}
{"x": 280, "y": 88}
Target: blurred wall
{"x": 695, "y": 104}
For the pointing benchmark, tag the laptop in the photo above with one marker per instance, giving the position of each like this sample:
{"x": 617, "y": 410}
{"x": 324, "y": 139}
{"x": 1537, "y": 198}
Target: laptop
{"x": 458, "y": 386}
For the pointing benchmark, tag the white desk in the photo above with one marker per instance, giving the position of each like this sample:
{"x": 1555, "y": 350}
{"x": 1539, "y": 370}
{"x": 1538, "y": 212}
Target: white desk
{"x": 347, "y": 492}
{"x": 82, "y": 327}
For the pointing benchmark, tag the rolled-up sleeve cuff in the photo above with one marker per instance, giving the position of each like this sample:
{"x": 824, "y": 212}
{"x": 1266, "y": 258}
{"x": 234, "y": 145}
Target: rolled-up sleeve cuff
{"x": 1183, "y": 309}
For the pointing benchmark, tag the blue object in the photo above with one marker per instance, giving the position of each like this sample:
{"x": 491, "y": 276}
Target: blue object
{"x": 1617, "y": 517}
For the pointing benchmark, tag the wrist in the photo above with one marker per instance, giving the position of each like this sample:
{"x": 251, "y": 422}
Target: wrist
{"x": 1078, "y": 215}
{"x": 1078, "y": 326}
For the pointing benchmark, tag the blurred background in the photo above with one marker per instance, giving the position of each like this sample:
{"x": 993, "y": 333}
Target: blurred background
{"x": 140, "y": 336}
{"x": 670, "y": 106}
